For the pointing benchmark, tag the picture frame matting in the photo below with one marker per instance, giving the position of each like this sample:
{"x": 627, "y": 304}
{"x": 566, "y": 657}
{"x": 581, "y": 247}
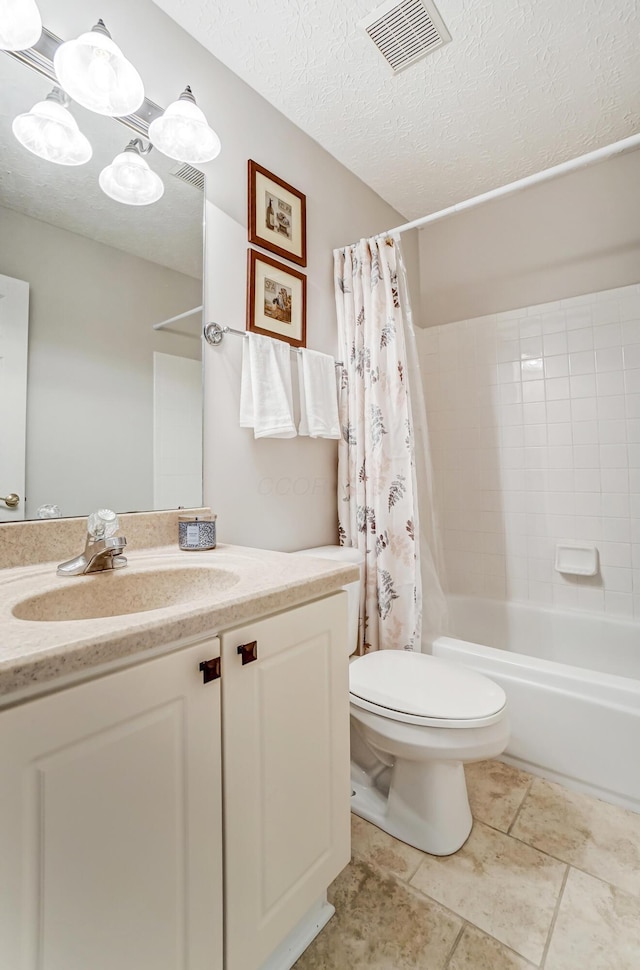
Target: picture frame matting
{"x": 277, "y": 215}
{"x": 276, "y": 299}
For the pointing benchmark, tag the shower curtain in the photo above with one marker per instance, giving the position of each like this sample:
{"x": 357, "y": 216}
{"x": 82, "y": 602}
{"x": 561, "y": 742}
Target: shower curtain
{"x": 384, "y": 481}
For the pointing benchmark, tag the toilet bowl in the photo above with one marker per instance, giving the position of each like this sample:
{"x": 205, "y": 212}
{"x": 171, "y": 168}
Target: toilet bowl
{"x": 415, "y": 721}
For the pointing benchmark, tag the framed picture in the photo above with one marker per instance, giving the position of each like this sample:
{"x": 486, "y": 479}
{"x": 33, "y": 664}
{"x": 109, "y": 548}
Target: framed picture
{"x": 277, "y": 215}
{"x": 276, "y": 300}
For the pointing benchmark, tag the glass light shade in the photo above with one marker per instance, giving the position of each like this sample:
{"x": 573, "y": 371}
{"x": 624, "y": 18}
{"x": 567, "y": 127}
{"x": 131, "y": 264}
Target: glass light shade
{"x": 52, "y": 133}
{"x": 182, "y": 132}
{"x": 95, "y": 73}
{"x": 20, "y": 24}
{"x": 130, "y": 180}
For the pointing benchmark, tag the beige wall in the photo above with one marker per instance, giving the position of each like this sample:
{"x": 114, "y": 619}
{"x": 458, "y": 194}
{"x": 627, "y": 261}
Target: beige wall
{"x": 278, "y": 494}
{"x": 90, "y": 376}
{"x": 574, "y": 235}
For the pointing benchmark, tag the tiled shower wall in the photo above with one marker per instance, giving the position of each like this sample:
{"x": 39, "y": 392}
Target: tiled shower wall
{"x": 534, "y": 418}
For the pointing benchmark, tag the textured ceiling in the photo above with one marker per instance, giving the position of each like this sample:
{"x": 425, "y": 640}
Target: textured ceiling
{"x": 523, "y": 85}
{"x": 169, "y": 232}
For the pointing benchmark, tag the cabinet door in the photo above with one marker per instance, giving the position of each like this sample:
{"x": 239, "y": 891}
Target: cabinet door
{"x": 286, "y": 772}
{"x": 110, "y": 815}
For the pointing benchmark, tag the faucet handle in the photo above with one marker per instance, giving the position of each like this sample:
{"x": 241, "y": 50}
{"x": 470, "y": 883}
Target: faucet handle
{"x": 102, "y": 524}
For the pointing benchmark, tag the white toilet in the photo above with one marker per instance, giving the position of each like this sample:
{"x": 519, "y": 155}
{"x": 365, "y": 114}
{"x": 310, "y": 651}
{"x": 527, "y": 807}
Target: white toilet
{"x": 415, "y": 721}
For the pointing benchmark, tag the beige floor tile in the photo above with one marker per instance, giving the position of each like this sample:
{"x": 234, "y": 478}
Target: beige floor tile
{"x": 496, "y": 792}
{"x": 380, "y": 924}
{"x": 505, "y": 888}
{"x": 382, "y": 851}
{"x": 598, "y": 927}
{"x": 477, "y": 951}
{"x": 602, "y": 839}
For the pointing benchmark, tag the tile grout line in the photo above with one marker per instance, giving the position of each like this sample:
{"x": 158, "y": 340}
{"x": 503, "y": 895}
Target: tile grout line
{"x": 554, "y": 919}
{"x": 521, "y": 805}
{"x": 468, "y": 923}
{"x": 574, "y": 865}
{"x": 447, "y": 962}
{"x": 409, "y": 878}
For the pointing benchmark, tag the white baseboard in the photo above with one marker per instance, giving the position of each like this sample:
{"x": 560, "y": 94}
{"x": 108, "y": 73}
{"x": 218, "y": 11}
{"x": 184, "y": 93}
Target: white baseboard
{"x": 294, "y": 945}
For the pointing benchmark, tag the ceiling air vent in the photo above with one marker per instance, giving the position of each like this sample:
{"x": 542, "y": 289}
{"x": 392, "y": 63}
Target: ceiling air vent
{"x": 405, "y": 32}
{"x": 187, "y": 173}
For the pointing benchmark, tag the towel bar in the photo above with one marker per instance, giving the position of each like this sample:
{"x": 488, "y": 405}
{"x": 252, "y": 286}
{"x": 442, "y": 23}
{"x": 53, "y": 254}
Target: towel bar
{"x": 214, "y": 332}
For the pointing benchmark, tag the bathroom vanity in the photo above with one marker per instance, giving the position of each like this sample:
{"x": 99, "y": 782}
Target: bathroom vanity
{"x": 174, "y": 782}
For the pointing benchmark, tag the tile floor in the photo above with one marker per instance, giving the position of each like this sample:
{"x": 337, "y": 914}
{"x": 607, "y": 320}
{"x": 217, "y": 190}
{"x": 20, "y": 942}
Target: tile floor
{"x": 548, "y": 879}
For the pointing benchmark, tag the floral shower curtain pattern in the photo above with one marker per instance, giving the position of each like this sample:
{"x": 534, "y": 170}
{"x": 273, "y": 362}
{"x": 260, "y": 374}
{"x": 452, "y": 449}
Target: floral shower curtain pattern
{"x": 377, "y": 488}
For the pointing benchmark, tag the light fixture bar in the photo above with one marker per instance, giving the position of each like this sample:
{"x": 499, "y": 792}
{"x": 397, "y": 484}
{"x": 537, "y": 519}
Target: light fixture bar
{"x": 40, "y": 59}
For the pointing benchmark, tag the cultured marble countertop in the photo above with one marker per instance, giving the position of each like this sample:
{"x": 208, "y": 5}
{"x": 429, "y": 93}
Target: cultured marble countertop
{"x": 38, "y": 655}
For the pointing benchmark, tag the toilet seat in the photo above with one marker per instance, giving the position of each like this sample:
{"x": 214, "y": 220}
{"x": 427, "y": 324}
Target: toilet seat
{"x": 420, "y": 689}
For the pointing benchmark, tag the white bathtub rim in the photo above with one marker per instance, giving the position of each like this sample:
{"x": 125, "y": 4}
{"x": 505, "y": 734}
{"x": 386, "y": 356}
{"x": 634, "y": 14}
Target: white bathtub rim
{"x": 551, "y": 668}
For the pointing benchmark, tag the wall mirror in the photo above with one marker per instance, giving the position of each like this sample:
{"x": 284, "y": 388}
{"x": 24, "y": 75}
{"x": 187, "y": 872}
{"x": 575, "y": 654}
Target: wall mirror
{"x": 113, "y": 402}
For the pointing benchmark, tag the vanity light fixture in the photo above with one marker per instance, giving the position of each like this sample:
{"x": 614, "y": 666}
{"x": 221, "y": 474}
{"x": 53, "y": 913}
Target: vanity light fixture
{"x": 94, "y": 72}
{"x": 129, "y": 179}
{"x": 183, "y": 132}
{"x": 50, "y": 131}
{"x": 20, "y": 24}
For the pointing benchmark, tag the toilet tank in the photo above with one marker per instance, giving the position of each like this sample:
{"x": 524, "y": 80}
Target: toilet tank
{"x": 344, "y": 554}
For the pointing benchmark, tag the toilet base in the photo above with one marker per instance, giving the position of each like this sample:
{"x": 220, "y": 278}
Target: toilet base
{"x": 426, "y": 806}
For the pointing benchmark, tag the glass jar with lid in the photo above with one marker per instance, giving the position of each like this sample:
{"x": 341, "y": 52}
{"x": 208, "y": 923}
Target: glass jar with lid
{"x": 197, "y": 531}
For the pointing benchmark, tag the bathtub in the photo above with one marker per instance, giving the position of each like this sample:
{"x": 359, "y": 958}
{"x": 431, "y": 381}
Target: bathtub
{"x": 572, "y": 682}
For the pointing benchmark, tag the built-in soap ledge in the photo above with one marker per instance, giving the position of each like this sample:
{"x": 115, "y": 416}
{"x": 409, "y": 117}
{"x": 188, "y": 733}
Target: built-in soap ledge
{"x": 577, "y": 559}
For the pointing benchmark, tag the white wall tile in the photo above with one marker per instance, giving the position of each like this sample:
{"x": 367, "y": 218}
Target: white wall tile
{"x": 532, "y": 368}
{"x": 619, "y": 604}
{"x": 583, "y": 385}
{"x": 614, "y": 456}
{"x": 632, "y": 381}
{"x": 612, "y": 408}
{"x": 585, "y": 433}
{"x": 631, "y": 331}
{"x": 534, "y": 417}
{"x": 609, "y": 382}
{"x": 578, "y": 340}
{"x": 558, "y": 411}
{"x": 582, "y": 363}
{"x": 560, "y": 434}
{"x": 609, "y": 335}
{"x": 557, "y": 387}
{"x": 612, "y": 432}
{"x": 616, "y": 530}
{"x": 609, "y": 358}
{"x": 556, "y": 343}
{"x": 615, "y": 554}
{"x": 577, "y": 315}
{"x": 615, "y": 480}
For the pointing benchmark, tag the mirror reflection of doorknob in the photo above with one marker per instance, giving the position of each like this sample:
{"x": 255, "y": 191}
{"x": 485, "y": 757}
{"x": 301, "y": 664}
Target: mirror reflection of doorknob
{"x": 11, "y": 501}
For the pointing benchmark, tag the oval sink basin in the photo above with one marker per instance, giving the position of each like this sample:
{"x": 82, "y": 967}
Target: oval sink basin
{"x": 119, "y": 593}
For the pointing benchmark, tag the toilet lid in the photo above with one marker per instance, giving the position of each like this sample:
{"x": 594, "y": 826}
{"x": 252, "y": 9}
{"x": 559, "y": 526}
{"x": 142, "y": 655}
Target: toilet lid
{"x": 425, "y": 686}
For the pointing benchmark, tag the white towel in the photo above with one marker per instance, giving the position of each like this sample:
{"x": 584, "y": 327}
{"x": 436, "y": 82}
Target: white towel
{"x": 266, "y": 400}
{"x": 318, "y": 395}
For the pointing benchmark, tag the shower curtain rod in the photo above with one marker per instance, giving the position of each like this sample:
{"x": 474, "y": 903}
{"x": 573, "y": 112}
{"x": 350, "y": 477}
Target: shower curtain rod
{"x": 617, "y": 148}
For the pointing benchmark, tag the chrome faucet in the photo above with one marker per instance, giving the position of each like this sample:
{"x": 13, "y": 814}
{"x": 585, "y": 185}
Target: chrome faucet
{"x": 102, "y": 550}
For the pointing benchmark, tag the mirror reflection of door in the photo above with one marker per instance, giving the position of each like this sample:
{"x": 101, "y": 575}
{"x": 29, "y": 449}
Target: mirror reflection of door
{"x": 177, "y": 431}
{"x": 14, "y": 332}
{"x": 106, "y": 282}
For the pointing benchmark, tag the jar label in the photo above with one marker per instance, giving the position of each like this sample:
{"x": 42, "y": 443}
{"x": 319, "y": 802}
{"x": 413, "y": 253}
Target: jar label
{"x": 193, "y": 534}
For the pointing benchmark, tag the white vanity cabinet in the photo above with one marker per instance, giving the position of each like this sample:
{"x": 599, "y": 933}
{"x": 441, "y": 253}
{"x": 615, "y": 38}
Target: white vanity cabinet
{"x": 287, "y": 792}
{"x": 111, "y": 793}
{"x": 110, "y": 822}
